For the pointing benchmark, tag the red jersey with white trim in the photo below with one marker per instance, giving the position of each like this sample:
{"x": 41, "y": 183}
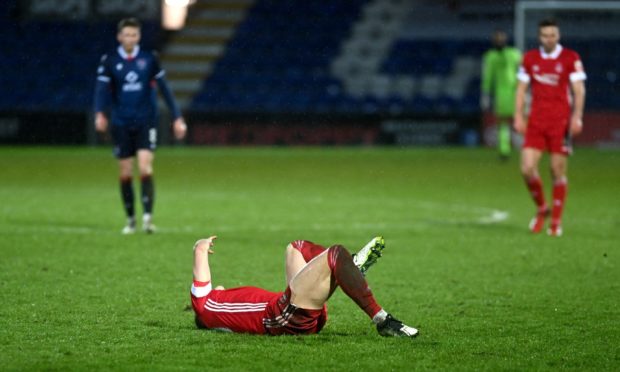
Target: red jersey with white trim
{"x": 239, "y": 309}
{"x": 549, "y": 76}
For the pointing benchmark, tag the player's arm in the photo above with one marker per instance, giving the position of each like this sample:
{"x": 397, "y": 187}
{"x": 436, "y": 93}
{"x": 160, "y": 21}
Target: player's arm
{"x": 178, "y": 125}
{"x": 579, "y": 97}
{"x": 523, "y": 78}
{"x": 202, "y": 249}
{"x": 519, "y": 117}
{"x": 577, "y": 80}
{"x": 102, "y": 95}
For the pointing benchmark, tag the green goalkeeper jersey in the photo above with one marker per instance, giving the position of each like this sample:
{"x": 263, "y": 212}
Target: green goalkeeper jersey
{"x": 499, "y": 77}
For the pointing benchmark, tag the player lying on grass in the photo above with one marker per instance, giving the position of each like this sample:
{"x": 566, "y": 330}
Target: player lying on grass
{"x": 313, "y": 273}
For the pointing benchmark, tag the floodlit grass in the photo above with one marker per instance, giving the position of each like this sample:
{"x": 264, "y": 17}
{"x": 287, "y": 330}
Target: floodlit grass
{"x": 459, "y": 263}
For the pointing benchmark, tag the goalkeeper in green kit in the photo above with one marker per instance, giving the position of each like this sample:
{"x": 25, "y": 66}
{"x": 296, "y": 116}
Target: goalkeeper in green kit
{"x": 499, "y": 77}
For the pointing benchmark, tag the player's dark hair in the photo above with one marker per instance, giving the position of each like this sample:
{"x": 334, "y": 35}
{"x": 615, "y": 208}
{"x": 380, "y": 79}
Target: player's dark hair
{"x": 199, "y": 324}
{"x": 128, "y": 22}
{"x": 547, "y": 22}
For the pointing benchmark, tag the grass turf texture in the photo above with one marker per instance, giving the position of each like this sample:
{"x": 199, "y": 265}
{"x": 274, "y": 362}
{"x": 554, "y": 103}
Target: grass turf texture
{"x": 484, "y": 292}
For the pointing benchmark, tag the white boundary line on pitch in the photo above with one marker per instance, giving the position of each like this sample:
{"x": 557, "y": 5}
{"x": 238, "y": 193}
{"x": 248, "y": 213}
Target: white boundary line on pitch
{"x": 490, "y": 216}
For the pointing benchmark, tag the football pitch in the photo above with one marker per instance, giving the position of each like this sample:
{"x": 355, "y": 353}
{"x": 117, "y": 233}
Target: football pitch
{"x": 459, "y": 263}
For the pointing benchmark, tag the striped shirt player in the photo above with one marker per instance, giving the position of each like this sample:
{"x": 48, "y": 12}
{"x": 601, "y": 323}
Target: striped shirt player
{"x": 126, "y": 81}
{"x": 553, "y": 72}
{"x": 313, "y": 274}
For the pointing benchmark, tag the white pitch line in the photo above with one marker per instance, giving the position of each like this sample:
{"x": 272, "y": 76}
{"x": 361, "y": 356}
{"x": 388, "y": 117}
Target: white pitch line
{"x": 495, "y": 217}
{"x": 489, "y": 216}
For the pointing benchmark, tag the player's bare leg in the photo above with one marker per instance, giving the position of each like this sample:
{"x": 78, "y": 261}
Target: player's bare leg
{"x": 201, "y": 285}
{"x": 300, "y": 252}
{"x": 145, "y": 166}
{"x": 529, "y": 169}
{"x": 316, "y": 282}
{"x": 559, "y": 165}
{"x": 312, "y": 285}
{"x": 125, "y": 177}
{"x": 294, "y": 262}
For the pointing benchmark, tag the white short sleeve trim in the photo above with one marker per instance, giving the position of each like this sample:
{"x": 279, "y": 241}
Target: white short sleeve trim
{"x": 160, "y": 74}
{"x": 577, "y": 76}
{"x": 201, "y": 291}
{"x": 105, "y": 79}
{"x": 523, "y": 76}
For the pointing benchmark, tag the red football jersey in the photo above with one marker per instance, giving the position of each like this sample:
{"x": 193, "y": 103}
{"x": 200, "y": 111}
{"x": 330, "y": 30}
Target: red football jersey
{"x": 549, "y": 76}
{"x": 237, "y": 309}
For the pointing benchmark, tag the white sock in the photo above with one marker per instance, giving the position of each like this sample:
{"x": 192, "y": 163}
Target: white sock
{"x": 379, "y": 317}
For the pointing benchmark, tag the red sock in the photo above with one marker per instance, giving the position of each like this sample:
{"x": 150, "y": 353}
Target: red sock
{"x": 351, "y": 280}
{"x": 559, "y": 195}
{"x": 308, "y": 249}
{"x": 535, "y": 186}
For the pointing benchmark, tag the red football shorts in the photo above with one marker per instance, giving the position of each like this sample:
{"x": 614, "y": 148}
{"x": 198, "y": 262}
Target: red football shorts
{"x": 549, "y": 135}
{"x": 284, "y": 318}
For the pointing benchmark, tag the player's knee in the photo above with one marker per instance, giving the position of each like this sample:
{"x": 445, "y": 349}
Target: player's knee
{"x": 296, "y": 244}
{"x": 146, "y": 172}
{"x": 558, "y": 172}
{"x": 336, "y": 253}
{"x": 528, "y": 170}
{"x": 126, "y": 173}
{"x": 340, "y": 249}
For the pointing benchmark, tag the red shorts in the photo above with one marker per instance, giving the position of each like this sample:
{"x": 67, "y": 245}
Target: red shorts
{"x": 552, "y": 135}
{"x": 284, "y": 318}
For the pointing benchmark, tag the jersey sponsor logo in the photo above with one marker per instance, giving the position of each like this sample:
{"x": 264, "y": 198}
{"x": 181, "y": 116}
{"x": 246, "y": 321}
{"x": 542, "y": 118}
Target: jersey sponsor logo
{"x": 548, "y": 79}
{"x": 131, "y": 82}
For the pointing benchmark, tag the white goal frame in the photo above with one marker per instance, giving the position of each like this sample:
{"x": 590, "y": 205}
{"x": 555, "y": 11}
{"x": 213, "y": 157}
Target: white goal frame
{"x": 522, "y": 6}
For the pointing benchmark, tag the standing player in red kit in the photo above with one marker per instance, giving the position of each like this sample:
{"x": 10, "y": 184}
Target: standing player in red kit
{"x": 313, "y": 273}
{"x": 551, "y": 70}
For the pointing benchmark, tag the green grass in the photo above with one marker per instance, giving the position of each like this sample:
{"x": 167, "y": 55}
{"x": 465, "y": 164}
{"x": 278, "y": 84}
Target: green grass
{"x": 485, "y": 295}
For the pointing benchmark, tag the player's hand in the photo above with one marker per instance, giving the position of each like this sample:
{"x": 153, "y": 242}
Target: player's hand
{"x": 519, "y": 124}
{"x": 180, "y": 128}
{"x": 576, "y": 125}
{"x": 101, "y": 122}
{"x": 206, "y": 244}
